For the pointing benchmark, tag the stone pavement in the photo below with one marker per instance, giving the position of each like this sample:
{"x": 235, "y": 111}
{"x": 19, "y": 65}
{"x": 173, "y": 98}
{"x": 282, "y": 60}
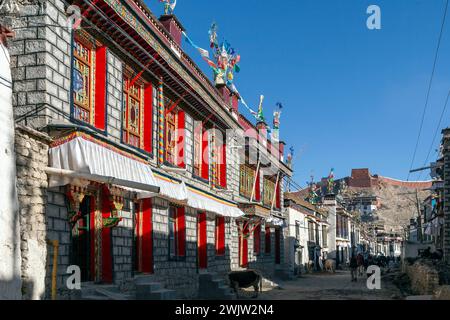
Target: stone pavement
{"x": 327, "y": 286}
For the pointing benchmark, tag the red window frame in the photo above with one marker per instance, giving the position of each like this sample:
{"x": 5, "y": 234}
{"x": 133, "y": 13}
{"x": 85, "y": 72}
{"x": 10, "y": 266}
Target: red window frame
{"x": 220, "y": 236}
{"x": 205, "y": 155}
{"x": 89, "y": 59}
{"x": 221, "y": 159}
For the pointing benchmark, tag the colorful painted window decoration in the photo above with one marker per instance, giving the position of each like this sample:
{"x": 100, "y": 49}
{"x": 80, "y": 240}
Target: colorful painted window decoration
{"x": 82, "y": 81}
{"x": 132, "y": 113}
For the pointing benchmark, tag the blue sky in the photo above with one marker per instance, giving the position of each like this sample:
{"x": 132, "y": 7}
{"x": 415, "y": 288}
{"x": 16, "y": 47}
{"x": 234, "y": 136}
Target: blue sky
{"x": 352, "y": 97}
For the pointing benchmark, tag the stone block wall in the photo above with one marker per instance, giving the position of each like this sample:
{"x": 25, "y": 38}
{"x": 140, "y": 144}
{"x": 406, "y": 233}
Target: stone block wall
{"x": 40, "y": 63}
{"x": 114, "y": 97}
{"x": 31, "y": 159}
{"x": 182, "y": 274}
{"x": 58, "y": 228}
{"x": 264, "y": 262}
{"x": 122, "y": 244}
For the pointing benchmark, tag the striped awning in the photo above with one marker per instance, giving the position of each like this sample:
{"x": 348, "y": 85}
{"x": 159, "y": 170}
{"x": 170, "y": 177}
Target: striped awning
{"x": 82, "y": 153}
{"x": 203, "y": 201}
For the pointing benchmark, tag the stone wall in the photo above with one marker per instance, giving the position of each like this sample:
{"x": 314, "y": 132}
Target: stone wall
{"x": 40, "y": 63}
{"x": 58, "y": 228}
{"x": 114, "y": 97}
{"x": 424, "y": 278}
{"x": 182, "y": 275}
{"x": 122, "y": 243}
{"x": 31, "y": 159}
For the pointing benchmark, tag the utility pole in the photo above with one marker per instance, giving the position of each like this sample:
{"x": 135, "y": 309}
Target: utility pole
{"x": 419, "y": 222}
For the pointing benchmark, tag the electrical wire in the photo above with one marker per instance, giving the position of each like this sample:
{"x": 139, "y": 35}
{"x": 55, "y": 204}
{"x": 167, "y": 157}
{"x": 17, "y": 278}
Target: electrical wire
{"x": 429, "y": 89}
{"x": 436, "y": 131}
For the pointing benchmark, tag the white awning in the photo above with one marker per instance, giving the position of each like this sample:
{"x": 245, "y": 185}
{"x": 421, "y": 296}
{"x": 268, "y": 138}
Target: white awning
{"x": 170, "y": 189}
{"x": 83, "y": 154}
{"x": 275, "y": 221}
{"x": 202, "y": 201}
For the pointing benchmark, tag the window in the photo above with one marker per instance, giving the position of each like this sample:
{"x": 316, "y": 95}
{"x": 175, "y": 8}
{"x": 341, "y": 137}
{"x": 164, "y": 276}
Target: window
{"x": 317, "y": 234}
{"x": 89, "y": 81}
{"x": 218, "y": 142}
{"x": 198, "y": 137}
{"x": 177, "y": 232}
{"x": 83, "y": 79}
{"x": 257, "y": 240}
{"x": 246, "y": 181}
{"x": 174, "y": 134}
{"x": 171, "y": 132}
{"x": 297, "y": 230}
{"x": 172, "y": 233}
{"x": 267, "y": 240}
{"x": 338, "y": 226}
{"x": 268, "y": 192}
{"x": 220, "y": 236}
{"x": 311, "y": 237}
{"x": 132, "y": 113}
{"x": 324, "y": 236}
{"x": 201, "y": 151}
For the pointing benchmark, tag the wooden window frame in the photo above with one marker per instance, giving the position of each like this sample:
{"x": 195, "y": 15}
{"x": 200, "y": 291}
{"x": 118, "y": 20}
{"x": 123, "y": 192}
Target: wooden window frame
{"x": 247, "y": 176}
{"x": 81, "y": 39}
{"x": 94, "y": 109}
{"x": 268, "y": 194}
{"x": 129, "y": 96}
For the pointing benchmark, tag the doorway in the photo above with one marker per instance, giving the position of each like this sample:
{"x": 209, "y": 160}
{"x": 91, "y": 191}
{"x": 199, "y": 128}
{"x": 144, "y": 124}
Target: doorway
{"x": 82, "y": 230}
{"x": 277, "y": 246}
{"x": 144, "y": 236}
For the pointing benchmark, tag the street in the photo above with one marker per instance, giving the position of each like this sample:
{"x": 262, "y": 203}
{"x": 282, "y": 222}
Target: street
{"x": 326, "y": 286}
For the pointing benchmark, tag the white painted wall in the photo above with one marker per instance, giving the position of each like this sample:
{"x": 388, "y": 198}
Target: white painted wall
{"x": 10, "y": 283}
{"x": 293, "y": 217}
{"x": 330, "y": 205}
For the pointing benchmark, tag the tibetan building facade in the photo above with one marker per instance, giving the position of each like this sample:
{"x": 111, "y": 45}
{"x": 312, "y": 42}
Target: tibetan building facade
{"x": 131, "y": 158}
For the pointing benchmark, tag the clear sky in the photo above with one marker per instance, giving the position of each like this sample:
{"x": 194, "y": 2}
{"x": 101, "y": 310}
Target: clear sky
{"x": 352, "y": 97}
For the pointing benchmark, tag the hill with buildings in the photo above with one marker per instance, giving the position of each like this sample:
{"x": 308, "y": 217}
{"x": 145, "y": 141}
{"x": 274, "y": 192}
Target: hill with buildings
{"x": 380, "y": 200}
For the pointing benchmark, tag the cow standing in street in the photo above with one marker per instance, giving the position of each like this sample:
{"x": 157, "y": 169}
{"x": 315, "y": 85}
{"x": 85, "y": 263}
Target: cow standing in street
{"x": 245, "y": 279}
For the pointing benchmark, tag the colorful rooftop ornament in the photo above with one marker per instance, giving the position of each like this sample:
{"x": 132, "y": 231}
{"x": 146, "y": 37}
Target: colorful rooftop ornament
{"x": 276, "y": 122}
{"x": 290, "y": 156}
{"x": 169, "y": 7}
{"x": 330, "y": 181}
{"x": 225, "y": 56}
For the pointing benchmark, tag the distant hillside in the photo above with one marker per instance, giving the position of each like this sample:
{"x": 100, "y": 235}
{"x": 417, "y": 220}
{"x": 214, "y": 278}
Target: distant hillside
{"x": 398, "y": 203}
{"x": 397, "y": 198}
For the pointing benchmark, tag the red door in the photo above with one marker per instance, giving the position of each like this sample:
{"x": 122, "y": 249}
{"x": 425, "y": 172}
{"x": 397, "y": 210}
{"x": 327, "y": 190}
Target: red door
{"x": 144, "y": 237}
{"x": 243, "y": 244}
{"x": 277, "y": 245}
{"x": 201, "y": 241}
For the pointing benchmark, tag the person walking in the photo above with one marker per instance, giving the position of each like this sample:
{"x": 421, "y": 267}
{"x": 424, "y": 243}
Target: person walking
{"x": 353, "y": 268}
{"x": 360, "y": 262}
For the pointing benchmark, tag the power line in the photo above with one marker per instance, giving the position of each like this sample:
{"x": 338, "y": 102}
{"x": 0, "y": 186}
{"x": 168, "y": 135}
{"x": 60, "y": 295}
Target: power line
{"x": 436, "y": 131}
{"x": 429, "y": 88}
